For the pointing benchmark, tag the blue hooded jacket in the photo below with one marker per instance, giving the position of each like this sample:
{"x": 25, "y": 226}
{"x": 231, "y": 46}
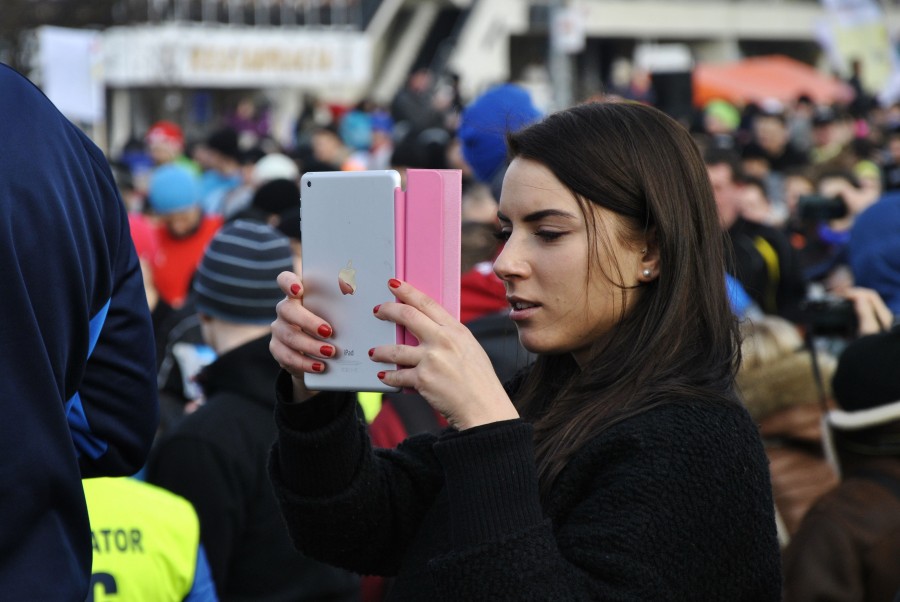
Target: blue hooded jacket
{"x": 77, "y": 367}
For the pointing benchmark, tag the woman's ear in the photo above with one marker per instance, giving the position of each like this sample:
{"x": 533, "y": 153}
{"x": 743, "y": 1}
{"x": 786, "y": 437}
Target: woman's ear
{"x": 649, "y": 261}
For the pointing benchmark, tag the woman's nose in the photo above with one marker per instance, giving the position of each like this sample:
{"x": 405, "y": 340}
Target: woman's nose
{"x": 509, "y": 263}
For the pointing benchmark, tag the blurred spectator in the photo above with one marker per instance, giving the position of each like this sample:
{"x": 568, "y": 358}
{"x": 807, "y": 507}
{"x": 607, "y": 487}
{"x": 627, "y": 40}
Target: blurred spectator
{"x": 382, "y": 140}
{"x": 165, "y": 143}
{"x": 250, "y": 120}
{"x": 412, "y": 108}
{"x": 800, "y": 122}
{"x": 216, "y": 457}
{"x": 146, "y": 544}
{"x": 778, "y": 386}
{"x": 826, "y": 142}
{"x": 874, "y": 249}
{"x": 329, "y": 152}
{"x": 183, "y": 231}
{"x": 891, "y": 168}
{"x": 848, "y": 546}
{"x": 760, "y": 257}
{"x": 76, "y": 351}
{"x": 753, "y": 198}
{"x": 720, "y": 120}
{"x": 771, "y": 140}
{"x": 222, "y": 175}
{"x": 277, "y": 203}
{"x": 483, "y": 127}
{"x": 274, "y": 166}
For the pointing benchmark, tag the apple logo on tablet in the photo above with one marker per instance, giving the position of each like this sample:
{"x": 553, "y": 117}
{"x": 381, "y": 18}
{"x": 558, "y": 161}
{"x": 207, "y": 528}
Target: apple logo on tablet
{"x": 347, "y": 279}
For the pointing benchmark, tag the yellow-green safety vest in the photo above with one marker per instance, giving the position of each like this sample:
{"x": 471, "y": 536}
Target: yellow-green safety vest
{"x": 145, "y": 541}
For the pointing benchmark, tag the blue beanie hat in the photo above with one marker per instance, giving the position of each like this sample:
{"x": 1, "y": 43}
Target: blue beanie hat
{"x": 172, "y": 188}
{"x": 485, "y": 122}
{"x": 874, "y": 249}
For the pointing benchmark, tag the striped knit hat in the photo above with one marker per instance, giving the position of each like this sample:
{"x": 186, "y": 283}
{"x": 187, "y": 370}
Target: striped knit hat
{"x": 235, "y": 281}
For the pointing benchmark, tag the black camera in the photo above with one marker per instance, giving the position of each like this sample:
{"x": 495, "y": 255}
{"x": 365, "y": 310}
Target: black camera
{"x": 829, "y": 316}
{"x": 818, "y": 208}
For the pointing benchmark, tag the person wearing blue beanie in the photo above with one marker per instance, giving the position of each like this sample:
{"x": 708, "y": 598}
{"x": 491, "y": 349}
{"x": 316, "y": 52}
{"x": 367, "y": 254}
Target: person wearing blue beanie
{"x": 172, "y": 189}
{"x": 484, "y": 124}
{"x": 874, "y": 249}
{"x": 183, "y": 230}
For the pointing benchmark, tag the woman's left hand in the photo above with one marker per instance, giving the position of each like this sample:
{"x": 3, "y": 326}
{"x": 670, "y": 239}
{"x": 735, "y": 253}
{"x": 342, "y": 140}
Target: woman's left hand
{"x": 449, "y": 368}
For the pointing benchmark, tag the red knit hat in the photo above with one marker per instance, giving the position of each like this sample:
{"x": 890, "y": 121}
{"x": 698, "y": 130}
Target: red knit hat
{"x": 164, "y": 131}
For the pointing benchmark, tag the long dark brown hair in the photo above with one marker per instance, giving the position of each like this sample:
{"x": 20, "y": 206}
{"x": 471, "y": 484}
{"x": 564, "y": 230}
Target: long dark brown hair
{"x": 679, "y": 339}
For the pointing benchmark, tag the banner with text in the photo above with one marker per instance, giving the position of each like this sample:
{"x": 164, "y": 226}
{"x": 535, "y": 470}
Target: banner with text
{"x": 187, "y": 56}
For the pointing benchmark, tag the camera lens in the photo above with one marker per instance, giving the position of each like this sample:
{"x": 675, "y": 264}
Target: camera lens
{"x": 308, "y": 184}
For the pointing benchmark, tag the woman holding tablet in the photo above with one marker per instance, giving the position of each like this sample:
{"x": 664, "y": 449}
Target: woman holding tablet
{"x": 620, "y": 465}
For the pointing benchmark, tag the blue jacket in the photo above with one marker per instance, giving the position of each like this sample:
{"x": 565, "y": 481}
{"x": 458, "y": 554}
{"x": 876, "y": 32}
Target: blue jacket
{"x": 77, "y": 366}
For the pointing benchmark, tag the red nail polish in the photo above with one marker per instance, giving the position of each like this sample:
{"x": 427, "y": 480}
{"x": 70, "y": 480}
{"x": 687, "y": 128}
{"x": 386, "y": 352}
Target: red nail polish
{"x": 324, "y": 330}
{"x": 326, "y": 350}
{"x": 371, "y": 352}
{"x": 381, "y": 375}
{"x": 317, "y": 367}
{"x": 375, "y": 309}
{"x": 295, "y": 289}
{"x": 394, "y": 283}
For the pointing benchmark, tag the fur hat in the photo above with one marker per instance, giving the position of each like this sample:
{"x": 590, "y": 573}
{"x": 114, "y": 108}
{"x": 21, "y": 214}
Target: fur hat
{"x": 172, "y": 188}
{"x": 776, "y": 370}
{"x": 485, "y": 122}
{"x": 235, "y": 281}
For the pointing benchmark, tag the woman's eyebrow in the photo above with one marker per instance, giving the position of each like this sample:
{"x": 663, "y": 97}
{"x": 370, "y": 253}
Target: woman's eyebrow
{"x": 539, "y": 215}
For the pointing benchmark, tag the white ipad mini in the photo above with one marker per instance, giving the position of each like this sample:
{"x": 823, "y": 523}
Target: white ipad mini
{"x": 349, "y": 243}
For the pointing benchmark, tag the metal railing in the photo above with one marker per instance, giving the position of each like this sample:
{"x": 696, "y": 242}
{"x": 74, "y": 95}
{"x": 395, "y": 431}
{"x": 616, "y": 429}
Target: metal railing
{"x": 345, "y": 14}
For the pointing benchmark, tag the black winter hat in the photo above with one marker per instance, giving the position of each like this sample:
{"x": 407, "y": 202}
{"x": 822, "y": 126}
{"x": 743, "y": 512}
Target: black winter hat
{"x": 225, "y": 141}
{"x": 277, "y": 202}
{"x": 868, "y": 372}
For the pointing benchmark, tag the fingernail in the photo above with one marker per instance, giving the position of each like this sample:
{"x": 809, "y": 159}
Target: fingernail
{"x": 375, "y": 309}
{"x": 295, "y": 289}
{"x": 371, "y": 352}
{"x": 324, "y": 330}
{"x": 317, "y": 367}
{"x": 327, "y": 350}
{"x": 381, "y": 375}
{"x": 394, "y": 283}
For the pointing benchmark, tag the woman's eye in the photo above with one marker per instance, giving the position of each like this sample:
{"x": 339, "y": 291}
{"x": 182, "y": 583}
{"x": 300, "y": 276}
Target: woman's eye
{"x": 549, "y": 235}
{"x": 502, "y": 235}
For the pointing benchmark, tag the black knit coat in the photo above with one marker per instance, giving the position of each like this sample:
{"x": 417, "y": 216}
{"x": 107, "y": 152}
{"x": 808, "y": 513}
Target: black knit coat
{"x": 673, "y": 504}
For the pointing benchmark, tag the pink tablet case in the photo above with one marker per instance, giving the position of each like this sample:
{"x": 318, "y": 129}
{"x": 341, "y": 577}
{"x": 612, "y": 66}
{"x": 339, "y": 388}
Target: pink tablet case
{"x": 428, "y": 212}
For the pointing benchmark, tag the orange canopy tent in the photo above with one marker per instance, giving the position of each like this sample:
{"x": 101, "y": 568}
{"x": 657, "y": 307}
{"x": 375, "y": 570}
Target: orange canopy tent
{"x": 765, "y": 77}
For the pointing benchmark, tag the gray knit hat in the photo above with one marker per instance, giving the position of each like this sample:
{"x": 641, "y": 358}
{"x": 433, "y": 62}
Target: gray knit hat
{"x": 236, "y": 278}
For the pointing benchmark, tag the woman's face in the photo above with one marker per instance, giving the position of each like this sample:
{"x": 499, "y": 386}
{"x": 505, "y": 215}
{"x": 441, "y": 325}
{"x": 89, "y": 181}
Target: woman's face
{"x": 546, "y": 259}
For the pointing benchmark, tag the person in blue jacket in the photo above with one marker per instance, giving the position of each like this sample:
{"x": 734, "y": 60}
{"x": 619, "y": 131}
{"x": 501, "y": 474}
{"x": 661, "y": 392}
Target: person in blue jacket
{"x": 77, "y": 361}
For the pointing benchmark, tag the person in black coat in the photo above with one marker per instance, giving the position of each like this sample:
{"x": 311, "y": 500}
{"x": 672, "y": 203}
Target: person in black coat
{"x": 216, "y": 456}
{"x": 620, "y": 466}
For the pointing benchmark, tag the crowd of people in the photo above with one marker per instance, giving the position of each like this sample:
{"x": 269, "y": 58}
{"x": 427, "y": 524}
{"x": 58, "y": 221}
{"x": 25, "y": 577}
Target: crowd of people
{"x": 674, "y": 374}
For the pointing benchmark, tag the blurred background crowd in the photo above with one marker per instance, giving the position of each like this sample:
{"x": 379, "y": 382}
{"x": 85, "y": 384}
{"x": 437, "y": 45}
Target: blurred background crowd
{"x": 801, "y": 134}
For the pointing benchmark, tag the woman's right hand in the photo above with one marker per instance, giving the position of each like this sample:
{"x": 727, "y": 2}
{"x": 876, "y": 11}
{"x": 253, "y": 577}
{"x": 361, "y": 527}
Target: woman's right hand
{"x": 299, "y": 338}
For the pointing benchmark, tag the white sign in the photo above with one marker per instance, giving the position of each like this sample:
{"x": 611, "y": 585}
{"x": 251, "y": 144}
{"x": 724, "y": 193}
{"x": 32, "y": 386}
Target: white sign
{"x": 200, "y": 56}
{"x": 567, "y": 30}
{"x": 71, "y": 72}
